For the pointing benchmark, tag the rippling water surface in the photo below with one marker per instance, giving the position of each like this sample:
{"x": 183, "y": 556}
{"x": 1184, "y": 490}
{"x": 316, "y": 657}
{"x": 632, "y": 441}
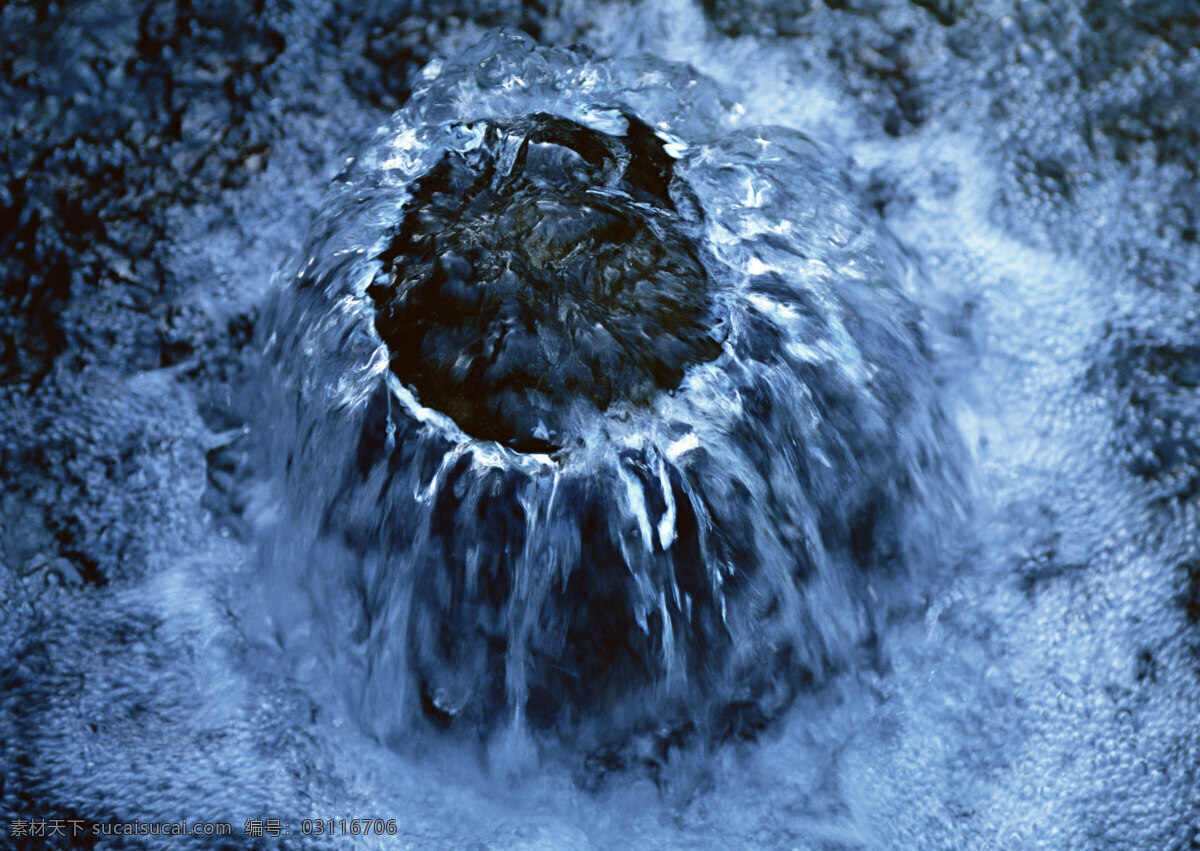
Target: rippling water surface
{"x": 710, "y": 433}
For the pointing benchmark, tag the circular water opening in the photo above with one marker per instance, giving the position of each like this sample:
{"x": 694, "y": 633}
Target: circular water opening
{"x": 542, "y": 273}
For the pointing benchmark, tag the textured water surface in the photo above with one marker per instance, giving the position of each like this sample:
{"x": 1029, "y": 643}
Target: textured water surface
{"x": 750, "y": 424}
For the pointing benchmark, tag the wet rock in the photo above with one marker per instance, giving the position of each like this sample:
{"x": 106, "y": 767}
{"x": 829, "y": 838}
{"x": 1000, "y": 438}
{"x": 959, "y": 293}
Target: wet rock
{"x": 740, "y": 18}
{"x": 387, "y": 44}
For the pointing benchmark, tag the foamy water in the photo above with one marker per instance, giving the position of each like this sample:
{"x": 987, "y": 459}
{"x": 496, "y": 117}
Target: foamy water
{"x": 1004, "y": 664}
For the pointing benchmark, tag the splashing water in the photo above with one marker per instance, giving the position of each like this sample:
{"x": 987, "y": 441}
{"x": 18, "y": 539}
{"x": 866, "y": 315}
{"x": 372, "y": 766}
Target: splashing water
{"x": 597, "y": 417}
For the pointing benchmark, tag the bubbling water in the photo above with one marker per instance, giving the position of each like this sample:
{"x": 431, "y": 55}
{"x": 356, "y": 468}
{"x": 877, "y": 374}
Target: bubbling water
{"x": 597, "y": 416}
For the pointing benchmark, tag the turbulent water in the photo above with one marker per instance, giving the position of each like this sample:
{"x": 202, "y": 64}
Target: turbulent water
{"x": 603, "y": 413}
{"x": 748, "y": 424}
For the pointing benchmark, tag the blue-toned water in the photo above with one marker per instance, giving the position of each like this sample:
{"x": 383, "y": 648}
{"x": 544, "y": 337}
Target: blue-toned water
{"x": 725, "y": 425}
{"x": 607, "y": 418}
